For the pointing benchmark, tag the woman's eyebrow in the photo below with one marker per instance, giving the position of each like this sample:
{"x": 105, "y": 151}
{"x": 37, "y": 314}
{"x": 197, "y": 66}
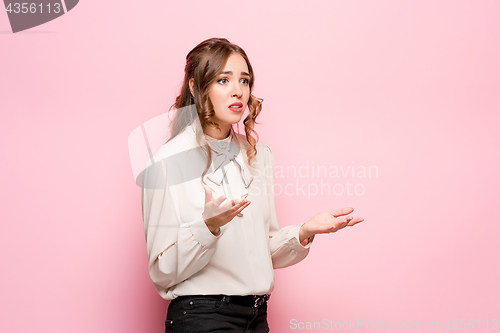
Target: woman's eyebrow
{"x": 231, "y": 73}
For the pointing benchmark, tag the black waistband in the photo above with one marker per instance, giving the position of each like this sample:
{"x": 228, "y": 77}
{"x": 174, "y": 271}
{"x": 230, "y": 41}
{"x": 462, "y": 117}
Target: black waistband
{"x": 247, "y": 300}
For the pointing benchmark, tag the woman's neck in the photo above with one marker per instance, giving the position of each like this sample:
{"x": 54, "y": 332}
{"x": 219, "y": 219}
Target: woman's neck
{"x": 216, "y": 134}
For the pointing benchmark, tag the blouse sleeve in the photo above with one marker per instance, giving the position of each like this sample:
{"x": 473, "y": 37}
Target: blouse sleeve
{"x": 285, "y": 247}
{"x": 176, "y": 250}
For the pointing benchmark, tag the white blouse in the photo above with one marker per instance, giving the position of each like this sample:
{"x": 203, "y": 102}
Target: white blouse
{"x": 185, "y": 258}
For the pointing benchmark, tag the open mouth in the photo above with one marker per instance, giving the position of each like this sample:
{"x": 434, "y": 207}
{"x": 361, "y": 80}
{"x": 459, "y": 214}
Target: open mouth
{"x": 236, "y": 107}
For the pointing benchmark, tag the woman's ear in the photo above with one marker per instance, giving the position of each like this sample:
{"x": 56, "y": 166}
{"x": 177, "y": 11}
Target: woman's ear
{"x": 191, "y": 86}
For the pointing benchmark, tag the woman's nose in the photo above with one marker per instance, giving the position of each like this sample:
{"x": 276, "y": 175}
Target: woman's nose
{"x": 236, "y": 90}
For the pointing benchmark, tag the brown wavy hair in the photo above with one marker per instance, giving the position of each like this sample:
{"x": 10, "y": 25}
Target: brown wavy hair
{"x": 203, "y": 64}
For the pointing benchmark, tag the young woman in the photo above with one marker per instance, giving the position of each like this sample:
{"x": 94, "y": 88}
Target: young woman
{"x": 212, "y": 233}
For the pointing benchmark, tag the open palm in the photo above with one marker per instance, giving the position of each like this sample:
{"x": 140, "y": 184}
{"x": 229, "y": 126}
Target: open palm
{"x": 331, "y": 221}
{"x": 217, "y": 215}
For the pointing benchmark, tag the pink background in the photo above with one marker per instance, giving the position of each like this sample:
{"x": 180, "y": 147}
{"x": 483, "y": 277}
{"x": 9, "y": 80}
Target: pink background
{"x": 411, "y": 87}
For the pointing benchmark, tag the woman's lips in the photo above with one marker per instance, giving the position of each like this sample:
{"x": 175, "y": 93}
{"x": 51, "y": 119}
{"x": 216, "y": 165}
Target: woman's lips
{"x": 236, "y": 107}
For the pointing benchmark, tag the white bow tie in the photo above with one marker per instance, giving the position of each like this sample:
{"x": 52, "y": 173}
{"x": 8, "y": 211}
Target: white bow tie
{"x": 224, "y": 153}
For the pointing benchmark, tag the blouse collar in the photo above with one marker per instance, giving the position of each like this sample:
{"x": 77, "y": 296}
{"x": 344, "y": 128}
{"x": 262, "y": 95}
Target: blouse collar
{"x": 225, "y": 151}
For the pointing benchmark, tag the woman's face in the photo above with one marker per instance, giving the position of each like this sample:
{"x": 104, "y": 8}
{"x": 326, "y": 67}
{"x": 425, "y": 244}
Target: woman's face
{"x": 230, "y": 92}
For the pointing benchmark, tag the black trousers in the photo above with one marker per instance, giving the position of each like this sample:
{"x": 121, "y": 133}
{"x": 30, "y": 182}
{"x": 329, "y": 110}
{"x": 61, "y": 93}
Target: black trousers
{"x": 199, "y": 313}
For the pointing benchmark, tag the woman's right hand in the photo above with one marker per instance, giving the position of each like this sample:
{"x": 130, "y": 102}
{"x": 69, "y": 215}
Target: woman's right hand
{"x": 216, "y": 216}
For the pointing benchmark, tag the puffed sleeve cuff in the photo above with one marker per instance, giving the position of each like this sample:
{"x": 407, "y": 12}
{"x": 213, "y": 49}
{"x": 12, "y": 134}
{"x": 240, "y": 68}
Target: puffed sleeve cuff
{"x": 295, "y": 237}
{"x": 202, "y": 234}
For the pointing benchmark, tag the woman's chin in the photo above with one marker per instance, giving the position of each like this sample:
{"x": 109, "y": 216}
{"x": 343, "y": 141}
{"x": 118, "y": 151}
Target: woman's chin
{"x": 234, "y": 119}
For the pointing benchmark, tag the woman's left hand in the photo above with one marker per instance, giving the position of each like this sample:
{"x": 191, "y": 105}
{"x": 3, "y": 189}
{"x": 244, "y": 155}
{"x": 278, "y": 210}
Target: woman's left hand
{"x": 328, "y": 222}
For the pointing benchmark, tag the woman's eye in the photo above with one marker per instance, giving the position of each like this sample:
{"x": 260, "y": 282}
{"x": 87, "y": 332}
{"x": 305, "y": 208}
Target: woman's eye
{"x": 225, "y": 80}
